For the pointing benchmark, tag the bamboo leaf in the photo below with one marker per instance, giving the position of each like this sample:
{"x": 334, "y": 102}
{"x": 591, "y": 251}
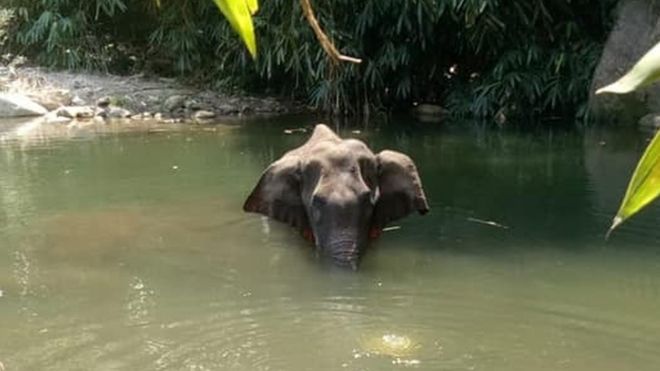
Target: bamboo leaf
{"x": 644, "y": 186}
{"x": 239, "y": 14}
{"x": 644, "y": 72}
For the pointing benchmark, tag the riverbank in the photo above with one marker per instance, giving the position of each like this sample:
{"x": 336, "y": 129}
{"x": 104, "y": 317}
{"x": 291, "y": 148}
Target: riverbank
{"x": 66, "y": 96}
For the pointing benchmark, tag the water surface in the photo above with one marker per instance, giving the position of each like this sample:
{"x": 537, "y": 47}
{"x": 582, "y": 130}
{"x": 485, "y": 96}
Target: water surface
{"x": 126, "y": 249}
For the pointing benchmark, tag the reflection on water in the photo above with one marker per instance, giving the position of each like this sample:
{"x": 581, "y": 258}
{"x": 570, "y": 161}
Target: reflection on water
{"x": 129, "y": 251}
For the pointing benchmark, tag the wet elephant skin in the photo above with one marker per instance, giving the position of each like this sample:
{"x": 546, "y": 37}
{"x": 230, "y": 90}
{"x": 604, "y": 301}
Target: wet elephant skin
{"x": 338, "y": 193}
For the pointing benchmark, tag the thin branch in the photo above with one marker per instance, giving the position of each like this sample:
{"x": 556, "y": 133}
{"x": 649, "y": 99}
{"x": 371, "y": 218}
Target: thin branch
{"x": 323, "y": 39}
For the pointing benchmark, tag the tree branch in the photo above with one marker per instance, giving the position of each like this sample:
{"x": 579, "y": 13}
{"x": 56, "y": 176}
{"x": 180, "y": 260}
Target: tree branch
{"x": 323, "y": 39}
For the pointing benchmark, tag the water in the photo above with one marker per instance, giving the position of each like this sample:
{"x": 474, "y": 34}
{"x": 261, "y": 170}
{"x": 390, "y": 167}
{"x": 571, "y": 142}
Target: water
{"x": 125, "y": 249}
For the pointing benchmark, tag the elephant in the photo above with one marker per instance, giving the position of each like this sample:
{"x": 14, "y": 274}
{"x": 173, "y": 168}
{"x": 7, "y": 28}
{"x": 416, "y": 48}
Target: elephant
{"x": 338, "y": 193}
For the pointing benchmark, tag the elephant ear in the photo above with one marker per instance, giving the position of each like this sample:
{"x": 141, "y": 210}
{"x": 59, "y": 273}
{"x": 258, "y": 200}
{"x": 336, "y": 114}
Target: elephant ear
{"x": 400, "y": 187}
{"x": 277, "y": 194}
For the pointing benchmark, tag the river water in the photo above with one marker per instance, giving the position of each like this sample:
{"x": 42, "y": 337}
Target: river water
{"x": 126, "y": 249}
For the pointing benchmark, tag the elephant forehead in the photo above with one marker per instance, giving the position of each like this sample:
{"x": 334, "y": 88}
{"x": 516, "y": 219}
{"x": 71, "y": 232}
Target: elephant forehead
{"x": 344, "y": 154}
{"x": 340, "y": 186}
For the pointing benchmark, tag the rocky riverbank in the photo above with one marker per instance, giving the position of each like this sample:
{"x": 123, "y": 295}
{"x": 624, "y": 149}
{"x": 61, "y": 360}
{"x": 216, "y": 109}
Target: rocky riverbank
{"x": 65, "y": 96}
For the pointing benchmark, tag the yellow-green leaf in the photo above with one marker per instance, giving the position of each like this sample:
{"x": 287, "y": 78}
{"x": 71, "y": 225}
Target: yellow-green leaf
{"x": 644, "y": 186}
{"x": 239, "y": 14}
{"x": 644, "y": 72}
{"x": 253, "y": 6}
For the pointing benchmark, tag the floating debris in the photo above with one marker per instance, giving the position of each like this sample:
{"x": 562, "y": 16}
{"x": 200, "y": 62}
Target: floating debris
{"x": 296, "y": 130}
{"x": 488, "y": 222}
{"x": 392, "y": 228}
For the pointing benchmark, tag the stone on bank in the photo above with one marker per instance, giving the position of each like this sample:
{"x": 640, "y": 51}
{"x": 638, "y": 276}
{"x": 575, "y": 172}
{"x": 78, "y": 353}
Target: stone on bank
{"x": 17, "y": 105}
{"x": 72, "y": 112}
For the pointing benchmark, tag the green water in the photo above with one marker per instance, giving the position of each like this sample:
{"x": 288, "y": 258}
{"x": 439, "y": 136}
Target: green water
{"x": 126, "y": 249}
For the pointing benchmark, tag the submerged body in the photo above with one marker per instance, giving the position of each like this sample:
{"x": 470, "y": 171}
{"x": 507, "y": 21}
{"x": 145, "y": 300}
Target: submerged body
{"x": 338, "y": 193}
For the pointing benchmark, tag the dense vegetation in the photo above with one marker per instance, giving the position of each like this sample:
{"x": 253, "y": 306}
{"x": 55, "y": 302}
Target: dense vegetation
{"x": 476, "y": 57}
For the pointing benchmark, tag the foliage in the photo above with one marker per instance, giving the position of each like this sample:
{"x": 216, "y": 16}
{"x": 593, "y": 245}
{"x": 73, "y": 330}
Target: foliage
{"x": 71, "y": 34}
{"x": 5, "y": 21}
{"x": 521, "y": 57}
{"x": 644, "y": 185}
{"x": 477, "y": 57}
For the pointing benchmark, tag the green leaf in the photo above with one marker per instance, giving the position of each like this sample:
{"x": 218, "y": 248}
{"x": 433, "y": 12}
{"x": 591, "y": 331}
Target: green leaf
{"x": 644, "y": 72}
{"x": 644, "y": 186}
{"x": 239, "y": 14}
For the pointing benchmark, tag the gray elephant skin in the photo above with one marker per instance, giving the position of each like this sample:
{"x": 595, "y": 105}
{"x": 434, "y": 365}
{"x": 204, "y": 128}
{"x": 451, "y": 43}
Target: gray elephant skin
{"x": 338, "y": 193}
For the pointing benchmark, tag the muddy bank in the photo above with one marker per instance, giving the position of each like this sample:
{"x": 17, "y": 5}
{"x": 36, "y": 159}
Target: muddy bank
{"x": 66, "y": 96}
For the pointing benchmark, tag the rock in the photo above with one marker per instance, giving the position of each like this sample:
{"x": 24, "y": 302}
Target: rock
{"x": 101, "y": 112}
{"x": 103, "y": 102}
{"x": 158, "y": 116}
{"x": 193, "y": 105}
{"x": 204, "y": 115}
{"x": 118, "y": 112}
{"x": 77, "y": 101}
{"x": 80, "y": 112}
{"x": 52, "y": 99}
{"x": 179, "y": 113}
{"x": 174, "y": 102}
{"x": 17, "y": 105}
{"x": 227, "y": 109}
{"x": 635, "y": 31}
{"x": 153, "y": 100}
{"x": 429, "y": 112}
{"x": 126, "y": 101}
{"x": 651, "y": 120}
{"x": 8, "y": 73}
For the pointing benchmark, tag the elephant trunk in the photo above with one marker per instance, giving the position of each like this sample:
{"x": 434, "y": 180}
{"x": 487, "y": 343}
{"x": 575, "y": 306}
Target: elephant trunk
{"x": 344, "y": 252}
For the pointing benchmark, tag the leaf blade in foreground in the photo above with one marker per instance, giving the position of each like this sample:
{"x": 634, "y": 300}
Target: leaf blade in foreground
{"x": 644, "y": 185}
{"x": 644, "y": 72}
{"x": 239, "y": 14}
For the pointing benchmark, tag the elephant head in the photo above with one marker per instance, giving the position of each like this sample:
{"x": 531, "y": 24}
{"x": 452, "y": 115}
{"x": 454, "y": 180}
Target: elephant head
{"x": 337, "y": 193}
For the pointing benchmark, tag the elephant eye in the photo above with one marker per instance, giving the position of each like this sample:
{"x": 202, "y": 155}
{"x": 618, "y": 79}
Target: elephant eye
{"x": 319, "y": 201}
